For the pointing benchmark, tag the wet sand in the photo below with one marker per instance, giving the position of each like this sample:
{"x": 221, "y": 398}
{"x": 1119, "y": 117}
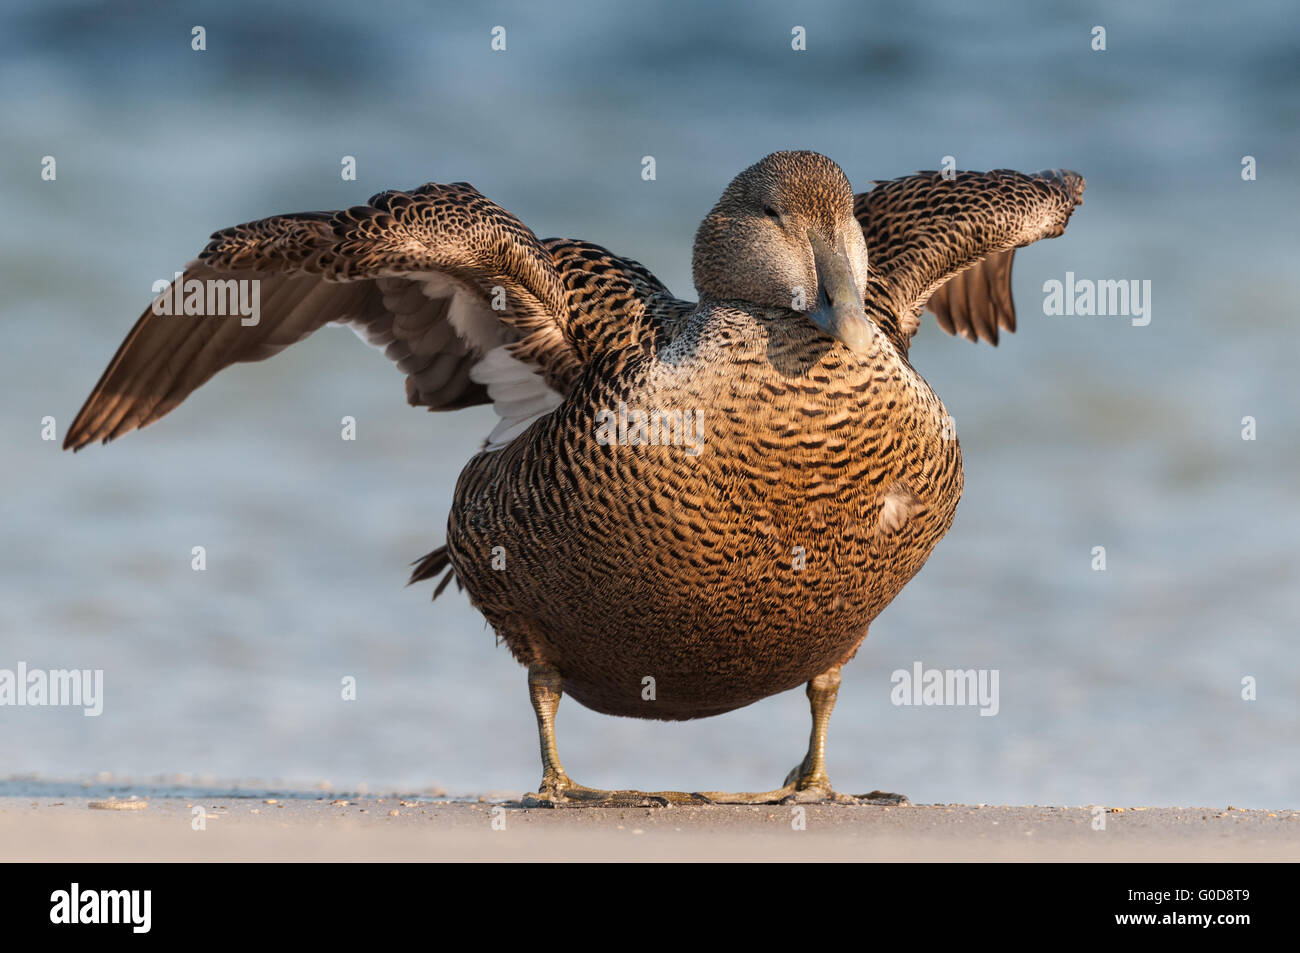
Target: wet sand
{"x": 372, "y": 828}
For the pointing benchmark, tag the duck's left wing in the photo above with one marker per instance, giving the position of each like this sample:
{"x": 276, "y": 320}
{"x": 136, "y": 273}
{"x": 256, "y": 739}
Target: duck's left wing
{"x": 945, "y": 243}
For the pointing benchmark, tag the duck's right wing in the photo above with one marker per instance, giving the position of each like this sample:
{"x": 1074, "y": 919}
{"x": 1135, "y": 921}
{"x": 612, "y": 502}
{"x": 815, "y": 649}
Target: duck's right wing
{"x": 463, "y": 297}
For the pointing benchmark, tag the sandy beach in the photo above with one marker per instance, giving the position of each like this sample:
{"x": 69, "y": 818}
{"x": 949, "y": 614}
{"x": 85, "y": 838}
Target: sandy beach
{"x": 126, "y": 827}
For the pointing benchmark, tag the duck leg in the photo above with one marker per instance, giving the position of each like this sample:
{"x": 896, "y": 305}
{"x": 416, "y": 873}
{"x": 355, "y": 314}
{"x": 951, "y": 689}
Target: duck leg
{"x": 810, "y": 774}
{"x": 545, "y": 688}
{"x": 807, "y": 782}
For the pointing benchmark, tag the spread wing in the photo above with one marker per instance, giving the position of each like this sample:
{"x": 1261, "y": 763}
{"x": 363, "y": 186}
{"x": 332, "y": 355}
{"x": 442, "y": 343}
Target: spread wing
{"x": 467, "y": 301}
{"x": 946, "y": 244}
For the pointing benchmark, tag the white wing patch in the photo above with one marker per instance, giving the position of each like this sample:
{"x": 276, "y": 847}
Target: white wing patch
{"x": 474, "y": 320}
{"x": 518, "y": 390}
{"x": 519, "y": 394}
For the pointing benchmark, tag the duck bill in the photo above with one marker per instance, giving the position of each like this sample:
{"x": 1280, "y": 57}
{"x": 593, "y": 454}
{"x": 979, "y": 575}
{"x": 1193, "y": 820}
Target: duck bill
{"x": 839, "y": 301}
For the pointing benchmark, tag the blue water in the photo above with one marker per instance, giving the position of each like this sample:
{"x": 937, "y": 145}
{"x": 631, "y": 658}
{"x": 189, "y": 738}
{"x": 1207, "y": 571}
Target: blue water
{"x": 1119, "y": 687}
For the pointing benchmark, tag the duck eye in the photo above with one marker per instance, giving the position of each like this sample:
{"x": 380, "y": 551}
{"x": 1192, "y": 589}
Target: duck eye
{"x": 771, "y": 212}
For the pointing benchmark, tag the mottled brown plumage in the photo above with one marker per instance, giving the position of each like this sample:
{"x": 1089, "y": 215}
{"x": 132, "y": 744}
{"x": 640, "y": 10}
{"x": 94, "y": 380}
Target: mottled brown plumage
{"x": 801, "y": 484}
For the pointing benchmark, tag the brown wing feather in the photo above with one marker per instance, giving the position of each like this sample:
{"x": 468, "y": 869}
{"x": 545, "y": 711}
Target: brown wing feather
{"x": 367, "y": 267}
{"x": 946, "y": 243}
{"x": 976, "y": 303}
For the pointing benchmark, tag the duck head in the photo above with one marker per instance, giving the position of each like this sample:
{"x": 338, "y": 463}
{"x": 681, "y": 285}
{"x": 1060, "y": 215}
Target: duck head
{"x": 783, "y": 235}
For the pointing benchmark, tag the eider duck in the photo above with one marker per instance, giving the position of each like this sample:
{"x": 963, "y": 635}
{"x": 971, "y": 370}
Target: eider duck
{"x": 684, "y": 507}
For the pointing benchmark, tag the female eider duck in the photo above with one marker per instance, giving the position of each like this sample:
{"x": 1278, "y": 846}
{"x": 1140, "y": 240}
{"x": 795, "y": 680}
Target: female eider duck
{"x": 700, "y": 505}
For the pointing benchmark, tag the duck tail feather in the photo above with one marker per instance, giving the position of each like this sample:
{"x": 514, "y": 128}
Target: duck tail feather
{"x": 430, "y": 566}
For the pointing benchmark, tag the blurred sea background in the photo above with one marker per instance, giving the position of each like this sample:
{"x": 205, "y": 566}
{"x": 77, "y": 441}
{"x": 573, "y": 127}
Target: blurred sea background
{"x": 1117, "y": 687}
